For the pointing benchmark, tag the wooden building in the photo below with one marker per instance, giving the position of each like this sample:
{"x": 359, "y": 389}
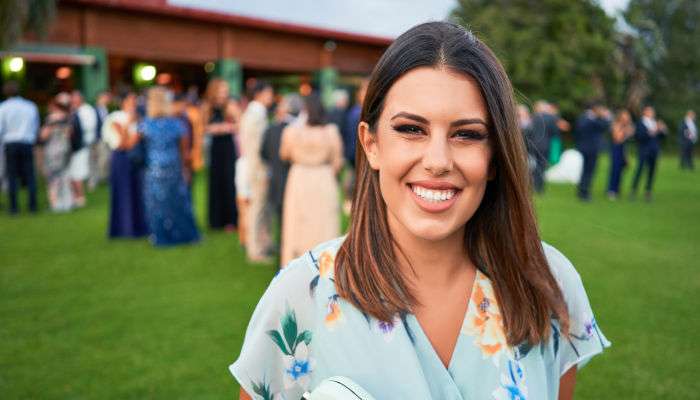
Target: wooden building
{"x": 102, "y": 42}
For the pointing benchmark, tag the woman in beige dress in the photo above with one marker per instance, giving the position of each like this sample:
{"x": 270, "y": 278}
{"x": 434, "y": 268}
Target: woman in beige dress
{"x": 311, "y": 209}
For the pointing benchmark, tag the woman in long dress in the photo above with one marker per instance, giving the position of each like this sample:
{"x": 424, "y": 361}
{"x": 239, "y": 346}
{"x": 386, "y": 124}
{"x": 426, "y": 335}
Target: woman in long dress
{"x": 311, "y": 212}
{"x": 127, "y": 218}
{"x": 55, "y": 136}
{"x": 217, "y": 112}
{"x": 168, "y": 204}
{"x": 622, "y": 129}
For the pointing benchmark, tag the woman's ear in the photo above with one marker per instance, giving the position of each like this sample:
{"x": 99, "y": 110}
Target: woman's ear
{"x": 368, "y": 140}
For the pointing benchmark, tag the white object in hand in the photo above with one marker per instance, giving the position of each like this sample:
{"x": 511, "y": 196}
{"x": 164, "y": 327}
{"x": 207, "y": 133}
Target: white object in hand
{"x": 338, "y": 388}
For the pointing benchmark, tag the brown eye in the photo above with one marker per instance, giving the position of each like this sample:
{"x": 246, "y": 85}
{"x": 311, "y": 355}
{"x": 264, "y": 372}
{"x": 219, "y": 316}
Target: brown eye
{"x": 409, "y": 129}
{"x": 469, "y": 135}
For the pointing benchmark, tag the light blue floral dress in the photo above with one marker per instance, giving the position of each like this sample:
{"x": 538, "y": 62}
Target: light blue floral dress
{"x": 302, "y": 332}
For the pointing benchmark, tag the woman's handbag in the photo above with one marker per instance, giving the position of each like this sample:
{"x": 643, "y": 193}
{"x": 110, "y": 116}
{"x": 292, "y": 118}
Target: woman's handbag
{"x": 338, "y": 388}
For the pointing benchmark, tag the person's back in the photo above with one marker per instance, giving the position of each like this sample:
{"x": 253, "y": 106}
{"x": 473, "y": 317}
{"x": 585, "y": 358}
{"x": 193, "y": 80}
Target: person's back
{"x": 311, "y": 203}
{"x": 540, "y": 134}
{"x": 19, "y": 120}
{"x": 19, "y": 127}
{"x": 162, "y": 138}
{"x": 314, "y": 146}
{"x": 89, "y": 123}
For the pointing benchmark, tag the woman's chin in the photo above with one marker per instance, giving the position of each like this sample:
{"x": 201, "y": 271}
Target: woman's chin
{"x": 432, "y": 232}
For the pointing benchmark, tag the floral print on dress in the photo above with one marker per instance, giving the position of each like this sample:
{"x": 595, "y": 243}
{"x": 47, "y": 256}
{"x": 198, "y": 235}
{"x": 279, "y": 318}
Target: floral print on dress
{"x": 484, "y": 320}
{"x": 334, "y": 314}
{"x": 293, "y": 345}
{"x": 324, "y": 264}
{"x": 298, "y": 368}
{"x": 262, "y": 389}
{"x": 387, "y": 328}
{"x": 279, "y": 359}
{"x": 512, "y": 383}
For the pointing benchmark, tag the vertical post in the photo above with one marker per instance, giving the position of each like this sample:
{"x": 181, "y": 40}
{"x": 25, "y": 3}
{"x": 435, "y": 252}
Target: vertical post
{"x": 95, "y": 77}
{"x": 328, "y": 78}
{"x": 230, "y": 70}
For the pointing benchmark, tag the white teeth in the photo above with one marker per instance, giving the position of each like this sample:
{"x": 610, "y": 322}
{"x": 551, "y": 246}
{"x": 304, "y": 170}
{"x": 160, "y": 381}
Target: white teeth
{"x": 433, "y": 195}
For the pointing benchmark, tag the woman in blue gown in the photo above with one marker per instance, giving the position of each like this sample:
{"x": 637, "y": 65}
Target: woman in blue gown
{"x": 126, "y": 217}
{"x": 168, "y": 204}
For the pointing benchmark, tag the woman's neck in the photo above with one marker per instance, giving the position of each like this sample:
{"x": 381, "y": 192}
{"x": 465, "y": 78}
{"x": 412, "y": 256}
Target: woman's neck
{"x": 430, "y": 263}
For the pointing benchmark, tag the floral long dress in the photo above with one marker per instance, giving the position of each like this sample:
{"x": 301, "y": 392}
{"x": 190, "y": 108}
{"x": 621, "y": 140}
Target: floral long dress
{"x": 168, "y": 202}
{"x": 302, "y": 332}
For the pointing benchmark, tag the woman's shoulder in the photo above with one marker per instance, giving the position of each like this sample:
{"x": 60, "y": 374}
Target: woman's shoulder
{"x": 563, "y": 270}
{"x": 315, "y": 262}
{"x": 302, "y": 274}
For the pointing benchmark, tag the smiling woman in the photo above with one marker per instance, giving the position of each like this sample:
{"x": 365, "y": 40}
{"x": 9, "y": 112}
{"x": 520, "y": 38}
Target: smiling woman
{"x": 442, "y": 273}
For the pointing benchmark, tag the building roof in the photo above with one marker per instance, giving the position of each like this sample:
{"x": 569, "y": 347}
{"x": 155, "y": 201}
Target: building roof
{"x": 163, "y": 7}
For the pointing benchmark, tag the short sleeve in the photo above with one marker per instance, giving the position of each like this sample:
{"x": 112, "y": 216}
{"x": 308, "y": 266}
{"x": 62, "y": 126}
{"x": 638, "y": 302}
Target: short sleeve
{"x": 275, "y": 359}
{"x": 109, "y": 133}
{"x": 585, "y": 339}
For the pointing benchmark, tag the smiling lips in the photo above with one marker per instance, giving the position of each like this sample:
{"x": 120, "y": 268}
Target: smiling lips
{"x": 434, "y": 196}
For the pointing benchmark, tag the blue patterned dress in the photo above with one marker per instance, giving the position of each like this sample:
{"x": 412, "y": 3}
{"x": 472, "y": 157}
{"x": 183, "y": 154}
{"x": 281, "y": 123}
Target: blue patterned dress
{"x": 168, "y": 204}
{"x": 302, "y": 332}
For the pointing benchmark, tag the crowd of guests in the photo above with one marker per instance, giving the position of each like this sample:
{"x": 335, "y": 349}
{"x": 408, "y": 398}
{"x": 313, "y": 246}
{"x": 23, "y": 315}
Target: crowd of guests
{"x": 274, "y": 161}
{"x": 543, "y": 129}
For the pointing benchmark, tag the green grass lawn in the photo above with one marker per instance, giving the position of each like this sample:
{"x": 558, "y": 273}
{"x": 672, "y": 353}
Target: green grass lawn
{"x": 84, "y": 317}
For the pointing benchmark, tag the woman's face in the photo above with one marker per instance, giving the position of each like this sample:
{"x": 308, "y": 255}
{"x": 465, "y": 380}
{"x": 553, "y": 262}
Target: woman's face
{"x": 221, "y": 94}
{"x": 625, "y": 117}
{"x": 129, "y": 103}
{"x": 431, "y": 149}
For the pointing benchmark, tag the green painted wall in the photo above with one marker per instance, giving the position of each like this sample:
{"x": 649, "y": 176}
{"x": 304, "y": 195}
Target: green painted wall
{"x": 95, "y": 77}
{"x": 230, "y": 70}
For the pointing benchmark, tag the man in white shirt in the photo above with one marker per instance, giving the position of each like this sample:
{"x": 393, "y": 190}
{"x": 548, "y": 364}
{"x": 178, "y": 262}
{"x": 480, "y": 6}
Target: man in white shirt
{"x": 253, "y": 125}
{"x": 688, "y": 138}
{"x": 19, "y": 126}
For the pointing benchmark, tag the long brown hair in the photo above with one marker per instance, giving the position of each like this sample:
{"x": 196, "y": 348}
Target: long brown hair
{"x": 210, "y": 100}
{"x": 501, "y": 237}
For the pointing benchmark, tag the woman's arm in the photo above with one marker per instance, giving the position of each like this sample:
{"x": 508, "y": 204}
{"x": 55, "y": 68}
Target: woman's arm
{"x": 285, "y": 144}
{"x": 244, "y": 396}
{"x": 185, "y": 157}
{"x": 220, "y": 128}
{"x": 44, "y": 133}
{"x": 126, "y": 141}
{"x": 567, "y": 384}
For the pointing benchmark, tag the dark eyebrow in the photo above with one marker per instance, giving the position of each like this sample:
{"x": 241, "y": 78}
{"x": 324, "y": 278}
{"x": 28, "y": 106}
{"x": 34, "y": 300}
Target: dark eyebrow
{"x": 414, "y": 117}
{"x": 422, "y": 120}
{"x": 468, "y": 121}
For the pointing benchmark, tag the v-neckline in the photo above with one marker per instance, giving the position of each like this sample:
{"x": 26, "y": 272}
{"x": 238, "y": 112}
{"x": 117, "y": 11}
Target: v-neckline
{"x": 447, "y": 368}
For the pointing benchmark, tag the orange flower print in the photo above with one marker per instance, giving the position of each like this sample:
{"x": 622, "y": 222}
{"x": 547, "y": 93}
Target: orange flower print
{"x": 325, "y": 263}
{"x": 334, "y": 314}
{"x": 484, "y": 320}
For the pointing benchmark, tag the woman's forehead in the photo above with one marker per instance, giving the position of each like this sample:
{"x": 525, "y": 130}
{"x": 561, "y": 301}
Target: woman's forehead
{"x": 436, "y": 93}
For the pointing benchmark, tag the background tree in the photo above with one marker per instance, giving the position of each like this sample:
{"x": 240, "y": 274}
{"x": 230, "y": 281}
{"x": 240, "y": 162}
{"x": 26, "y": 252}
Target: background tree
{"x": 558, "y": 50}
{"x": 20, "y": 16}
{"x": 667, "y": 52}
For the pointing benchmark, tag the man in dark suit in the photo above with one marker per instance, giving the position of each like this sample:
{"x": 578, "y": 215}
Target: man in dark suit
{"x": 544, "y": 128}
{"x": 688, "y": 133}
{"x": 287, "y": 110}
{"x": 647, "y": 133}
{"x": 590, "y": 127}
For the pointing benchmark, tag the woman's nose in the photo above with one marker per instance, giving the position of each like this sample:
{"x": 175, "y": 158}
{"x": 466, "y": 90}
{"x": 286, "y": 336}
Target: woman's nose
{"x": 437, "y": 159}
